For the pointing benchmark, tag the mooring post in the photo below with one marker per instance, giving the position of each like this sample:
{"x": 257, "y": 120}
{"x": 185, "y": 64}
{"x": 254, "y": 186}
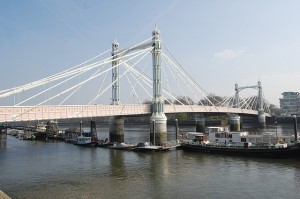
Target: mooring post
{"x": 295, "y": 128}
{"x": 176, "y": 121}
{"x": 153, "y": 122}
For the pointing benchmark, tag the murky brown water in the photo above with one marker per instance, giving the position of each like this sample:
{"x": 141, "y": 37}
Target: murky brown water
{"x": 34, "y": 169}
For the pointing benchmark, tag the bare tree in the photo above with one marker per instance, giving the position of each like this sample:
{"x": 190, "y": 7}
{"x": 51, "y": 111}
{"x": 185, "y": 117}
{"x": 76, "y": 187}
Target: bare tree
{"x": 211, "y": 99}
{"x": 184, "y": 100}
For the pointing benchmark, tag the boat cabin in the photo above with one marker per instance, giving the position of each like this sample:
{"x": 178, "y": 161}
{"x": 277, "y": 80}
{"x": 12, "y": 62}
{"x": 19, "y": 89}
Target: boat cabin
{"x": 197, "y": 137}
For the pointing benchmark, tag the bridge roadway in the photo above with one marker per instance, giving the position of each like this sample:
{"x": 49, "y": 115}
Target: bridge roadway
{"x": 29, "y": 113}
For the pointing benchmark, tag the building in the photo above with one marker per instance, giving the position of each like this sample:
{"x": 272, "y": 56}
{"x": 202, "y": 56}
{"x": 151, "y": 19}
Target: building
{"x": 290, "y": 103}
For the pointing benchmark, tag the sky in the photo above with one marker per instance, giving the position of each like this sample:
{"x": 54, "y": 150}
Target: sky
{"x": 218, "y": 42}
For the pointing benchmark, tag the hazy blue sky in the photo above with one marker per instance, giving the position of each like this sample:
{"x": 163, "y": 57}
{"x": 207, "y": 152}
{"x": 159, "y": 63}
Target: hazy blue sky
{"x": 219, "y": 42}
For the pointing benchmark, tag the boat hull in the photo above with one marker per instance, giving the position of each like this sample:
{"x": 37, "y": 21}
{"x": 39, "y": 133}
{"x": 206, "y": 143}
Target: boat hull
{"x": 148, "y": 149}
{"x": 289, "y": 152}
{"x": 121, "y": 146}
{"x": 91, "y": 144}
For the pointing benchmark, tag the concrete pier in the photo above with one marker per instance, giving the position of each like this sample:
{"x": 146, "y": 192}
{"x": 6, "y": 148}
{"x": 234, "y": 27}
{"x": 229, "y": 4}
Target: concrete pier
{"x": 200, "y": 122}
{"x": 261, "y": 119}
{"x": 158, "y": 129}
{"x": 116, "y": 129}
{"x": 235, "y": 123}
{"x": 3, "y": 135}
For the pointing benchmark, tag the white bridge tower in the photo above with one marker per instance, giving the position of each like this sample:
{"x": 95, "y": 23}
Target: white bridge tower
{"x": 260, "y": 108}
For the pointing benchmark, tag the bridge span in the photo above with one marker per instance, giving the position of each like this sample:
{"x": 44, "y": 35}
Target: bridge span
{"x": 30, "y": 113}
{"x": 169, "y": 83}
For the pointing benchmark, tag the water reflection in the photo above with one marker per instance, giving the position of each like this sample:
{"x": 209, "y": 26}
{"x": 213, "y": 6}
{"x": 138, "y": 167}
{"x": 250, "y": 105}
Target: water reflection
{"x": 60, "y": 170}
{"x": 117, "y": 165}
{"x": 2, "y": 145}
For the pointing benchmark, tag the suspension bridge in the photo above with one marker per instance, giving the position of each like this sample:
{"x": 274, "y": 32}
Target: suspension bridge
{"x": 86, "y": 90}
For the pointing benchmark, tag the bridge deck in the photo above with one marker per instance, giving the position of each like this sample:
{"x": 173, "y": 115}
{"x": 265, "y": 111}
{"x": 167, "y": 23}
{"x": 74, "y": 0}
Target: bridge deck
{"x": 26, "y": 113}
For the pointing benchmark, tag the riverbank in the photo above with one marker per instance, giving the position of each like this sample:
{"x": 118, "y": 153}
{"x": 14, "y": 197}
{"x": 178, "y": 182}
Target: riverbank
{"x": 3, "y": 195}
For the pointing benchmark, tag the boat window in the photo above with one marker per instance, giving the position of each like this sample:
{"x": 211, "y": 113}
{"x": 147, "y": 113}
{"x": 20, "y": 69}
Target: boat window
{"x": 243, "y": 139}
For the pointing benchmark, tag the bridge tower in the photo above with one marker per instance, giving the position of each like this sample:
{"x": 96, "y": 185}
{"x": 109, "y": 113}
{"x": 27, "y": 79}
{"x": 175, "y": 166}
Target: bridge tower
{"x": 115, "y": 74}
{"x": 261, "y": 113}
{"x": 116, "y": 124}
{"x": 158, "y": 129}
{"x": 260, "y": 101}
{"x": 237, "y": 96}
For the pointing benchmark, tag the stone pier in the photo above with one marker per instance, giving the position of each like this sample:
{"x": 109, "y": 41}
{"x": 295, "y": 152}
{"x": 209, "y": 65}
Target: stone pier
{"x": 158, "y": 128}
{"x": 3, "y": 135}
{"x": 235, "y": 123}
{"x": 200, "y": 123}
{"x": 116, "y": 129}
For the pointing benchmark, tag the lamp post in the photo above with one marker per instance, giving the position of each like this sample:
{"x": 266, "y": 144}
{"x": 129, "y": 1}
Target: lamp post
{"x": 295, "y": 128}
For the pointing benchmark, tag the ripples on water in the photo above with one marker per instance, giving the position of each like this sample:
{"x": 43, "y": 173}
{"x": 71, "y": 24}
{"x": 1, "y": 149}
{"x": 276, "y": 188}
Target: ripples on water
{"x": 59, "y": 170}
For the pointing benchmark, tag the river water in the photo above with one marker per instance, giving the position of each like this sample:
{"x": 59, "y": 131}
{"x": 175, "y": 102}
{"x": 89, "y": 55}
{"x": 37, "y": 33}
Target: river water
{"x": 36, "y": 169}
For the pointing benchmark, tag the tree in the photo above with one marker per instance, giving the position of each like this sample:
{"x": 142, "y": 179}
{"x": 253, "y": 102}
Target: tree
{"x": 275, "y": 110}
{"x": 184, "y": 100}
{"x": 168, "y": 101}
{"x": 147, "y": 102}
{"x": 216, "y": 100}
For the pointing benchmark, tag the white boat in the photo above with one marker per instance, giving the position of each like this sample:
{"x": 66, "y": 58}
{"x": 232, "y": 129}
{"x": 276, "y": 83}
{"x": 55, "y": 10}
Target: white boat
{"x": 87, "y": 139}
{"x": 40, "y": 127}
{"x": 84, "y": 140}
{"x": 147, "y": 146}
{"x": 222, "y": 141}
{"x": 121, "y": 145}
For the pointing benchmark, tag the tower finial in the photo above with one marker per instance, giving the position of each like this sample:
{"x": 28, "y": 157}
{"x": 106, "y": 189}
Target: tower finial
{"x": 115, "y": 40}
{"x": 155, "y": 26}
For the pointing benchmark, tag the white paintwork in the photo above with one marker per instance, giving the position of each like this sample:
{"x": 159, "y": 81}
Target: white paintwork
{"x": 147, "y": 146}
{"x": 121, "y": 145}
{"x": 221, "y": 136}
{"x": 82, "y": 140}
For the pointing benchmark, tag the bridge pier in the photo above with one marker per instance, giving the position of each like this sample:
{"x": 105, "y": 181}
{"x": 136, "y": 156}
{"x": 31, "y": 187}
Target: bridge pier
{"x": 3, "y": 135}
{"x": 262, "y": 120}
{"x": 235, "y": 123}
{"x": 158, "y": 129}
{"x": 116, "y": 129}
{"x": 200, "y": 122}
